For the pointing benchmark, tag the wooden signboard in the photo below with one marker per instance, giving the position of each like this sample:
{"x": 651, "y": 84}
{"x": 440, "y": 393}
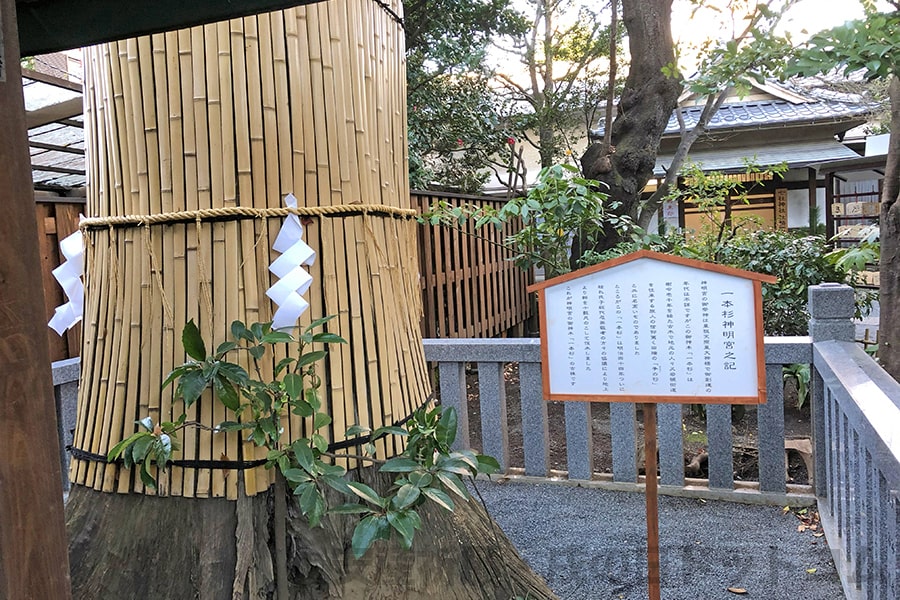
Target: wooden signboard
{"x": 649, "y": 327}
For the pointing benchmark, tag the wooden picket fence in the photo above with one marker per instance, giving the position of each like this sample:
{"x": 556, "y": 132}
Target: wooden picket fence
{"x": 57, "y": 217}
{"x": 470, "y": 288}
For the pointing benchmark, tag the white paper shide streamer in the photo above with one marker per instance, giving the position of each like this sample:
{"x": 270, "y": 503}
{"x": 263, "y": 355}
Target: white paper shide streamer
{"x": 69, "y": 274}
{"x": 293, "y": 280}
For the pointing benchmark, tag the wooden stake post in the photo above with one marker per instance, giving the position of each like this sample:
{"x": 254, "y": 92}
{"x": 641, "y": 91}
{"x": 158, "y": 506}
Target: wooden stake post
{"x": 33, "y": 558}
{"x": 651, "y": 328}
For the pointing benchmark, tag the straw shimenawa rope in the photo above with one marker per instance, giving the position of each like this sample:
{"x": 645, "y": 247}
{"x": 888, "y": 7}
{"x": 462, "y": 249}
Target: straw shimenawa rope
{"x": 243, "y": 212}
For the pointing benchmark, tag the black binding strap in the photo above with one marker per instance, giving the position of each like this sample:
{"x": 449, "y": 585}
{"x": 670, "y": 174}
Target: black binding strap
{"x": 242, "y": 465}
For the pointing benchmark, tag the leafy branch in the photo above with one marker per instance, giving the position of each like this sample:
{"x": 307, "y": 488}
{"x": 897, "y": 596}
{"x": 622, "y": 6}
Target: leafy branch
{"x": 428, "y": 470}
{"x": 560, "y": 206}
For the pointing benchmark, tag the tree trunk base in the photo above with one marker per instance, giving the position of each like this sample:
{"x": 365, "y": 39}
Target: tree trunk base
{"x": 130, "y": 546}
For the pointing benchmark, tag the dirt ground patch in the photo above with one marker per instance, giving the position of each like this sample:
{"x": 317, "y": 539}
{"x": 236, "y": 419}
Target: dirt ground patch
{"x": 744, "y": 432}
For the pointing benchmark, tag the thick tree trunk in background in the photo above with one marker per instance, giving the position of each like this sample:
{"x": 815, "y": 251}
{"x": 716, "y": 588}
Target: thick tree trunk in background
{"x": 889, "y": 297}
{"x": 647, "y": 102}
{"x": 202, "y": 548}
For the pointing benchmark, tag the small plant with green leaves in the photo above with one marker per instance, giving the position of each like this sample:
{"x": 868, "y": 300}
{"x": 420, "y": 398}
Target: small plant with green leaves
{"x": 801, "y": 374}
{"x": 561, "y": 207}
{"x": 856, "y": 258}
{"x": 154, "y": 444}
{"x": 714, "y": 193}
{"x": 426, "y": 471}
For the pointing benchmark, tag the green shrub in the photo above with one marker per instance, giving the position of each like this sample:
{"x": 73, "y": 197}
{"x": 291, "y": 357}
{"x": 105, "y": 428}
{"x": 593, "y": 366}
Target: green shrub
{"x": 797, "y": 262}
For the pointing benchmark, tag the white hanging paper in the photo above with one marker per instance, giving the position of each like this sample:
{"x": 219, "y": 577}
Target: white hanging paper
{"x": 293, "y": 278}
{"x": 69, "y": 274}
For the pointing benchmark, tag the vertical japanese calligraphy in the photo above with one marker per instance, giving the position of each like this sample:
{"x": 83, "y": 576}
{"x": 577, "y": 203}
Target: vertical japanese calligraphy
{"x": 781, "y": 202}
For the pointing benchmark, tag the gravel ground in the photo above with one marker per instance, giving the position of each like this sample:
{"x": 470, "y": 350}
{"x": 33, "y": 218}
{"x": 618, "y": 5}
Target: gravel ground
{"x": 591, "y": 544}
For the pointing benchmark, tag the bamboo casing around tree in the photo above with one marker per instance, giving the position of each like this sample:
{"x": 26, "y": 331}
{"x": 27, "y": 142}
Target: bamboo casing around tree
{"x": 309, "y": 101}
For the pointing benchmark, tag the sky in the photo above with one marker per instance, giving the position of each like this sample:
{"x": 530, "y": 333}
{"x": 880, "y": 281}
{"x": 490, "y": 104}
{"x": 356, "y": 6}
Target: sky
{"x": 690, "y": 27}
{"x": 811, "y": 15}
{"x": 806, "y": 17}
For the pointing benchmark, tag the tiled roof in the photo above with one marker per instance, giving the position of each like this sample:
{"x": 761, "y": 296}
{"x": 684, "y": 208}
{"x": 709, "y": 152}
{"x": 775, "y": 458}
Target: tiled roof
{"x": 795, "y": 154}
{"x": 771, "y": 112}
{"x": 754, "y": 114}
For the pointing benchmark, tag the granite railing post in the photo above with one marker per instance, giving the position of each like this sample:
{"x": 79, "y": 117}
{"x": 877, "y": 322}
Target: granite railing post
{"x": 831, "y": 309}
{"x": 66, "y": 375}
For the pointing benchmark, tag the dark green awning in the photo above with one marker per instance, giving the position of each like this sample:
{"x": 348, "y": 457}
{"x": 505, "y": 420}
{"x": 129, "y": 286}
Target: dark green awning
{"x": 51, "y": 25}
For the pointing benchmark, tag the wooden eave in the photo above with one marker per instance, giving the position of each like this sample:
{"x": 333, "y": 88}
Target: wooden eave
{"x": 52, "y": 25}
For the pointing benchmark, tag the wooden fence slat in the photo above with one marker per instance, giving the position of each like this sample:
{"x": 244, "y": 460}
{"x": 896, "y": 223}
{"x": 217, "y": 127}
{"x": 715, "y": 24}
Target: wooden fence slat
{"x": 469, "y": 286}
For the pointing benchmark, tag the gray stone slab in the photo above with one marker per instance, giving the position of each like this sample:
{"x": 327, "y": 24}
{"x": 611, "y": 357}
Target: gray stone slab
{"x": 66, "y": 375}
{"x": 831, "y": 301}
{"x": 829, "y": 431}
{"x": 879, "y": 526}
{"x": 868, "y": 398}
{"x": 579, "y": 442}
{"x": 623, "y": 430}
{"x": 844, "y": 440}
{"x": 821, "y": 330}
{"x": 671, "y": 443}
{"x": 817, "y": 410}
{"x": 788, "y": 350}
{"x": 770, "y": 423}
{"x": 66, "y": 371}
{"x": 851, "y": 486}
{"x": 719, "y": 446}
{"x": 535, "y": 430}
{"x": 864, "y": 568}
{"x": 831, "y": 309}
{"x": 494, "y": 425}
{"x": 893, "y": 536}
{"x": 478, "y": 350}
{"x": 66, "y": 396}
{"x": 453, "y": 393}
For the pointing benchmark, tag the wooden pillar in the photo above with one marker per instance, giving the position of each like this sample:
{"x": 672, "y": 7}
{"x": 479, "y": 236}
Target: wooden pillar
{"x": 830, "y": 228}
{"x": 33, "y": 550}
{"x": 813, "y": 199}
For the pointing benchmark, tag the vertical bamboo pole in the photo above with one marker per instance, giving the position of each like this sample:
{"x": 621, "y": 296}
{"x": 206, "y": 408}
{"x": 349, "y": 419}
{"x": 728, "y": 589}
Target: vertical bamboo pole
{"x": 136, "y": 95}
{"x": 216, "y": 155}
{"x": 235, "y": 308}
{"x": 248, "y": 294}
{"x": 189, "y": 279}
{"x": 152, "y": 248}
{"x": 175, "y": 272}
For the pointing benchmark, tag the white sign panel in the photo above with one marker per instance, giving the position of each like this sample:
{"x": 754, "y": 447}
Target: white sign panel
{"x": 652, "y": 330}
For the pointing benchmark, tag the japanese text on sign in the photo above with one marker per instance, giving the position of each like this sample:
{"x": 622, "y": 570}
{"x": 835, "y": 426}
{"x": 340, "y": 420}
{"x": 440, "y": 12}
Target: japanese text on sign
{"x": 652, "y": 329}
